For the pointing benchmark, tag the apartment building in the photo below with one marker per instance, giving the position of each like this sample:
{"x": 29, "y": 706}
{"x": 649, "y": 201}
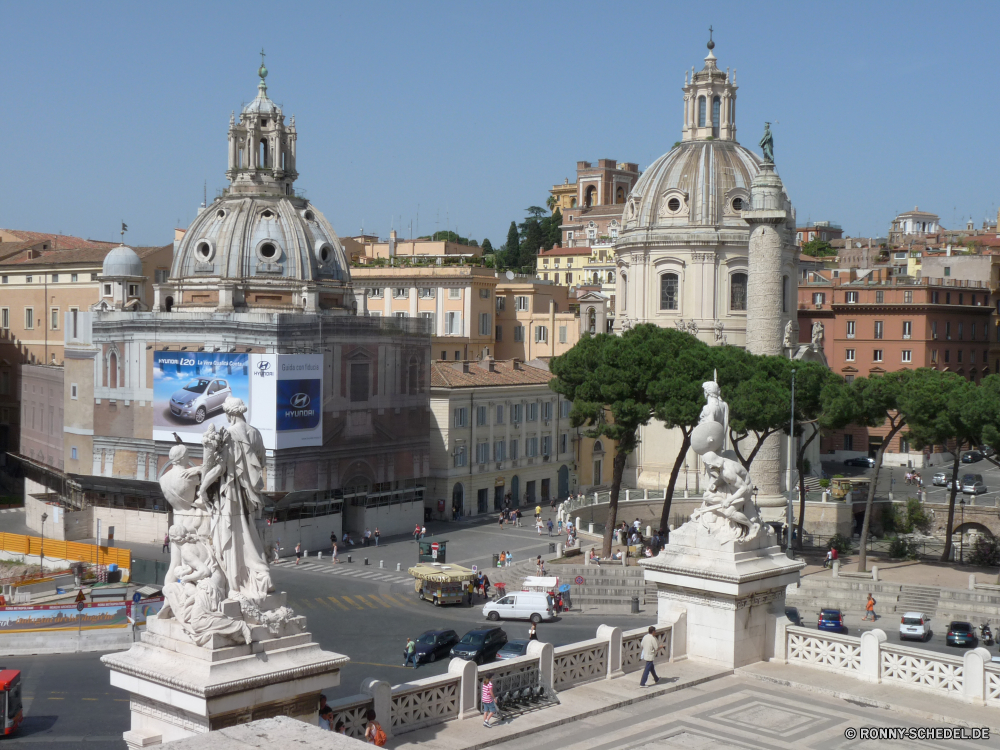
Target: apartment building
{"x": 456, "y": 301}
{"x": 497, "y": 431}
{"x": 593, "y": 267}
{"x": 368, "y": 247}
{"x": 562, "y": 265}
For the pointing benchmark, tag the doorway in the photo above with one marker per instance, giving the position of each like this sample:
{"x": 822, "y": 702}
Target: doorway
{"x": 563, "y": 482}
{"x": 545, "y": 491}
{"x": 483, "y": 500}
{"x": 458, "y": 499}
{"x": 498, "y": 498}
{"x": 529, "y": 493}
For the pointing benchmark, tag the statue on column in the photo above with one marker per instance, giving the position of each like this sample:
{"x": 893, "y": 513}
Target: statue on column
{"x": 767, "y": 143}
{"x": 789, "y": 342}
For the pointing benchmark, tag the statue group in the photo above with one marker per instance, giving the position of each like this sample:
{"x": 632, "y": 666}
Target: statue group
{"x": 728, "y": 511}
{"x": 215, "y": 551}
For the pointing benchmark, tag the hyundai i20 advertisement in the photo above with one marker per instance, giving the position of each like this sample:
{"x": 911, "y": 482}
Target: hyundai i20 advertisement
{"x": 283, "y": 394}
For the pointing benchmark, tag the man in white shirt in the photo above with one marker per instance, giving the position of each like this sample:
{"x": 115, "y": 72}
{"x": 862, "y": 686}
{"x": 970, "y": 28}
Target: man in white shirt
{"x": 647, "y": 652}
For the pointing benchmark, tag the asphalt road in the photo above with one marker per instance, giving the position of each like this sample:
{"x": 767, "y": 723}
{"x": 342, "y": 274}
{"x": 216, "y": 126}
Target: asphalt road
{"x": 893, "y": 477}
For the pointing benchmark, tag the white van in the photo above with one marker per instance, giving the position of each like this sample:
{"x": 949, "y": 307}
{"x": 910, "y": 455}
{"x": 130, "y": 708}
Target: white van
{"x": 522, "y": 605}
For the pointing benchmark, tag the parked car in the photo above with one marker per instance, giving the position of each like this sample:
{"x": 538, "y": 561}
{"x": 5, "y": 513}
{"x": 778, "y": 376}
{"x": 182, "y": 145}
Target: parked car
{"x": 860, "y": 461}
{"x": 961, "y": 634}
{"x": 831, "y": 620}
{"x": 199, "y": 398}
{"x": 971, "y": 457}
{"x": 974, "y": 487}
{"x": 435, "y": 644}
{"x": 914, "y": 625}
{"x": 480, "y": 645}
{"x": 986, "y": 450}
{"x": 513, "y": 649}
{"x": 523, "y": 605}
{"x": 792, "y": 613}
{"x": 940, "y": 479}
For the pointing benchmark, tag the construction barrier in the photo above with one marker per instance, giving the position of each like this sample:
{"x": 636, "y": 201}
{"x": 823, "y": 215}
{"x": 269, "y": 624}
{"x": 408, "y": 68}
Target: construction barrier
{"x": 58, "y": 550}
{"x": 94, "y": 616}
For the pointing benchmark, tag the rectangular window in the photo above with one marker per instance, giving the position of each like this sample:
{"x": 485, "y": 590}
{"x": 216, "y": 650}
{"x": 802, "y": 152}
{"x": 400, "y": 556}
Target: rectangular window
{"x": 533, "y": 411}
{"x": 848, "y": 442}
{"x": 947, "y": 298}
{"x": 516, "y": 412}
{"x": 520, "y": 304}
{"x": 4, "y": 317}
{"x": 484, "y": 294}
{"x": 459, "y": 455}
{"x": 564, "y": 408}
{"x": 907, "y": 355}
{"x": 852, "y": 297}
{"x": 546, "y": 445}
{"x": 877, "y": 355}
{"x": 513, "y": 450}
{"x": 908, "y": 296}
{"x": 936, "y": 298}
{"x": 359, "y": 382}
{"x": 107, "y": 290}
{"x": 947, "y": 270}
{"x": 972, "y": 333}
{"x": 972, "y": 356}
{"x": 546, "y": 410}
{"x": 518, "y": 333}
{"x": 960, "y": 327}
{"x": 133, "y": 290}
{"x": 93, "y": 277}
{"x": 501, "y": 303}
{"x": 563, "y": 443}
{"x": 376, "y": 293}
{"x": 848, "y": 379}
{"x": 668, "y": 291}
{"x": 934, "y": 356}
{"x": 462, "y": 417}
{"x": 481, "y": 416}
{"x": 453, "y": 324}
{"x": 850, "y": 329}
{"x": 499, "y": 450}
{"x": 73, "y": 391}
{"x": 28, "y": 279}
{"x": 947, "y": 356}
{"x": 499, "y": 419}
{"x": 54, "y": 319}
{"x": 819, "y": 298}
{"x": 55, "y": 278}
{"x": 426, "y": 292}
{"x": 569, "y": 278}
{"x": 4, "y": 280}
{"x": 562, "y": 334}
{"x": 541, "y": 334}
{"x": 428, "y": 316}
{"x": 531, "y": 447}
{"x": 849, "y": 355}
{"x": 879, "y": 328}
{"x": 454, "y": 293}
{"x": 72, "y": 452}
{"x": 907, "y": 329}
{"x": 29, "y": 317}
{"x": 159, "y": 276}
{"x": 959, "y": 357}
{"x": 879, "y": 297}
{"x": 947, "y": 330}
{"x": 485, "y": 324}
{"x": 482, "y": 453}
{"x": 400, "y": 293}
{"x": 499, "y": 335}
{"x": 934, "y": 332}
{"x": 400, "y": 315}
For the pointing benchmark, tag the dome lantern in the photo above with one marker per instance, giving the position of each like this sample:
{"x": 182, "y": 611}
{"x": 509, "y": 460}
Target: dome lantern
{"x": 709, "y": 102}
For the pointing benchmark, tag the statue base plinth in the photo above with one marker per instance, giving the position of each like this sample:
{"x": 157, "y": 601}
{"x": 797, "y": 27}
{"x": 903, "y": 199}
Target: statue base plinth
{"x": 731, "y": 593}
{"x": 178, "y": 689}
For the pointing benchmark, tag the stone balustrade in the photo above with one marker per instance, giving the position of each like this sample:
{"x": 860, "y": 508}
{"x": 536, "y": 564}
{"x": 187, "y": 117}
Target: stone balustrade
{"x": 631, "y": 649}
{"x": 970, "y": 677}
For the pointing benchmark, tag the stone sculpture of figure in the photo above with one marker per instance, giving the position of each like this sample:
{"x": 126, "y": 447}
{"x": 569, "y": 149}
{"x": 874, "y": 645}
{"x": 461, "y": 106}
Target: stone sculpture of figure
{"x": 719, "y": 328}
{"x": 715, "y": 409}
{"x": 207, "y": 620}
{"x": 240, "y": 550}
{"x": 767, "y": 143}
{"x": 789, "y": 341}
{"x": 693, "y": 327}
{"x": 817, "y": 334}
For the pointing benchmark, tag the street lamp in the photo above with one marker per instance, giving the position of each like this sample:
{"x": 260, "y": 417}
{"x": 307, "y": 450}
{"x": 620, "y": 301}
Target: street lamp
{"x": 791, "y": 459}
{"x": 41, "y": 551}
{"x": 961, "y": 538}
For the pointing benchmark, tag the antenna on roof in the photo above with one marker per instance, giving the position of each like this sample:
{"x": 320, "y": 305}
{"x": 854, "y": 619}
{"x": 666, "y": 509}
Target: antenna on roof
{"x": 204, "y": 194}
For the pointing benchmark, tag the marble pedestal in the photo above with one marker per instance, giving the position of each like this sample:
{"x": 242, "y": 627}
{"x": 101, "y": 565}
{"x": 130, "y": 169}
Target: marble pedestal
{"x": 731, "y": 593}
{"x": 178, "y": 689}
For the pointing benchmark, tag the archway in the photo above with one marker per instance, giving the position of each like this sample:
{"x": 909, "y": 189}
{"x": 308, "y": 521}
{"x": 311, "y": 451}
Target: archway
{"x": 590, "y": 197}
{"x": 563, "y": 482}
{"x": 458, "y": 498}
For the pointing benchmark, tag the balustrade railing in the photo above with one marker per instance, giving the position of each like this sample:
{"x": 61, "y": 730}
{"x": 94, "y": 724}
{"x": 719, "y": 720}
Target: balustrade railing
{"x": 577, "y": 663}
{"x": 423, "y": 702}
{"x": 632, "y": 649}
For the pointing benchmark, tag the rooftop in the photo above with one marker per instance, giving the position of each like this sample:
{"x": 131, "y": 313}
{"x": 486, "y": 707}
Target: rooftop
{"x": 478, "y": 374}
{"x": 59, "y": 241}
{"x": 559, "y": 251}
{"x": 91, "y": 256}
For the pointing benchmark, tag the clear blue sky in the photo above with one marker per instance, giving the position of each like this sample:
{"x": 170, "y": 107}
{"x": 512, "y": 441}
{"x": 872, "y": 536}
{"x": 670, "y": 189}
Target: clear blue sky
{"x": 470, "y": 111}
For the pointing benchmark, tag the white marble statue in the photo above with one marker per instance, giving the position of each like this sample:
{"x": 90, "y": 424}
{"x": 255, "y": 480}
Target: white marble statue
{"x": 727, "y": 510}
{"x": 789, "y": 341}
{"x": 215, "y": 551}
{"x": 817, "y": 334}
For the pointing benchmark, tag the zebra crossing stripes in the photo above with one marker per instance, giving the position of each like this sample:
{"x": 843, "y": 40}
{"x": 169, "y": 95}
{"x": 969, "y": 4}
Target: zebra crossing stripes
{"x": 351, "y": 603}
{"x": 377, "y": 574}
{"x": 11, "y": 510}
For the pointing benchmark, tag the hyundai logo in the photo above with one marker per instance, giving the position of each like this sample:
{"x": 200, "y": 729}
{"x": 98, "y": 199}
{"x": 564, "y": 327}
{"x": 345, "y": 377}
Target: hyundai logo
{"x": 263, "y": 365}
{"x": 300, "y": 401}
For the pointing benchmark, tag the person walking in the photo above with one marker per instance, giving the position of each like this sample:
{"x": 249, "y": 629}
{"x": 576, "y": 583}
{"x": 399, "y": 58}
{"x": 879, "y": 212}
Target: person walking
{"x": 532, "y": 633}
{"x": 410, "y": 652}
{"x": 374, "y": 734}
{"x": 416, "y": 532}
{"x": 333, "y": 556}
{"x": 550, "y": 526}
{"x": 486, "y": 586}
{"x": 423, "y": 531}
{"x": 503, "y": 559}
{"x": 510, "y": 558}
{"x": 538, "y": 525}
{"x": 166, "y": 542}
{"x": 870, "y": 609}
{"x": 489, "y": 703}
{"x": 298, "y": 553}
{"x": 538, "y": 512}
{"x": 647, "y": 652}
{"x": 517, "y": 515}
{"x": 376, "y": 535}
{"x": 366, "y": 538}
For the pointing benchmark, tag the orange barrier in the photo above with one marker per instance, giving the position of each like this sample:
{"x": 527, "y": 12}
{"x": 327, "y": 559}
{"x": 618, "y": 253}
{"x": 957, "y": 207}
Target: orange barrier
{"x": 58, "y": 550}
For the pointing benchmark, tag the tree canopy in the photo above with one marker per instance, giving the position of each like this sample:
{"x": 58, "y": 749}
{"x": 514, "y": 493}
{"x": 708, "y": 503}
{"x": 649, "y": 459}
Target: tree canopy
{"x": 818, "y": 248}
{"x": 487, "y": 246}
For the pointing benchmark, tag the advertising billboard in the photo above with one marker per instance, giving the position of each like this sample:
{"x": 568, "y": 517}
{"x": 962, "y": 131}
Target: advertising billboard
{"x": 94, "y": 616}
{"x": 283, "y": 394}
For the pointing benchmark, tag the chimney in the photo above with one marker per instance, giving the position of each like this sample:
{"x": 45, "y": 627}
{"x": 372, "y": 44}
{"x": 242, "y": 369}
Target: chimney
{"x": 489, "y": 363}
{"x": 516, "y": 363}
{"x": 392, "y": 243}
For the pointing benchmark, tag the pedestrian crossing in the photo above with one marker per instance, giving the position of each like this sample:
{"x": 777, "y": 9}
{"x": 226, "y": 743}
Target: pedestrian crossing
{"x": 346, "y": 571}
{"x": 352, "y": 603}
{"x": 12, "y": 510}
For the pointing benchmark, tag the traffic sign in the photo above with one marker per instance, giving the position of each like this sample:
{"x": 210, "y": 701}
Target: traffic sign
{"x": 475, "y": 568}
{"x": 434, "y": 546}
{"x": 80, "y": 606}
{"x": 136, "y": 597}
{"x": 578, "y": 580}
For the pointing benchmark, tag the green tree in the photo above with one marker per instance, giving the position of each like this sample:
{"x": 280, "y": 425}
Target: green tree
{"x": 551, "y": 202}
{"x": 531, "y": 242}
{"x": 608, "y": 380}
{"x": 551, "y": 230}
{"x": 487, "y": 246}
{"x": 818, "y": 249}
{"x": 512, "y": 248}
{"x": 678, "y": 398}
{"x": 869, "y": 402}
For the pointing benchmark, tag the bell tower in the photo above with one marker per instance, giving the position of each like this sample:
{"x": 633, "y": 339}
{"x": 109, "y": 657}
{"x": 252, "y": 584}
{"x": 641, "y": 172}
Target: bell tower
{"x": 709, "y": 102}
{"x": 261, "y": 147}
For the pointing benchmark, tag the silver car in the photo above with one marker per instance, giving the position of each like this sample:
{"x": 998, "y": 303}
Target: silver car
{"x": 974, "y": 487}
{"x": 199, "y": 398}
{"x": 940, "y": 479}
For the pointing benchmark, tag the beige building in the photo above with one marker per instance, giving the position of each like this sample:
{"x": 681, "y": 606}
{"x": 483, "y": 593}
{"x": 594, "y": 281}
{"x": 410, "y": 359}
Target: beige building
{"x": 535, "y": 319}
{"x": 562, "y": 265}
{"x": 369, "y": 247}
{"x": 497, "y": 431}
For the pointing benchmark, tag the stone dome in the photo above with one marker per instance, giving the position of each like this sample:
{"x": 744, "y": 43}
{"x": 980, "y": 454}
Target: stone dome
{"x": 700, "y": 182}
{"x": 263, "y": 237}
{"x": 122, "y": 261}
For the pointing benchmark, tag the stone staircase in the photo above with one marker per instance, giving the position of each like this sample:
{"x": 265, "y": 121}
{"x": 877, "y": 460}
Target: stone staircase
{"x": 922, "y": 599}
{"x": 609, "y": 587}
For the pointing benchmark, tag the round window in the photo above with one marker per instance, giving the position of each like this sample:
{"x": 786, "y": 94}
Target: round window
{"x": 220, "y": 214}
{"x": 674, "y": 204}
{"x": 310, "y": 216}
{"x": 737, "y": 204}
{"x": 325, "y": 254}
{"x": 267, "y": 215}
{"x": 204, "y": 251}
{"x": 268, "y": 251}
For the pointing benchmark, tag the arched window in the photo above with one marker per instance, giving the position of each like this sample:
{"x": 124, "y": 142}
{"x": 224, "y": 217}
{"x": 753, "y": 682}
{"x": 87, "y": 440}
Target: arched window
{"x": 572, "y": 203}
{"x": 113, "y": 370}
{"x": 611, "y": 277}
{"x": 624, "y": 292}
{"x": 598, "y": 446}
{"x": 240, "y": 163}
{"x": 591, "y": 196}
{"x": 168, "y": 304}
{"x": 263, "y": 160}
{"x": 282, "y": 159}
{"x": 668, "y": 291}
{"x": 738, "y": 291}
{"x": 701, "y": 111}
{"x": 620, "y": 195}
{"x": 716, "y": 114}
{"x": 592, "y": 321}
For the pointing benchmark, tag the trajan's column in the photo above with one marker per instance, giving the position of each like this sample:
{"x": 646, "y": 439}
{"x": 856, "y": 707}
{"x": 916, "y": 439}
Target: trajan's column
{"x": 772, "y": 302}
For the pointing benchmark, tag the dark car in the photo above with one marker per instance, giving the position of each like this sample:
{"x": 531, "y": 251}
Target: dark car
{"x": 513, "y": 649}
{"x": 971, "y": 457}
{"x": 961, "y": 634}
{"x": 831, "y": 620}
{"x": 480, "y": 645}
{"x": 860, "y": 461}
{"x": 435, "y": 644}
{"x": 793, "y": 615}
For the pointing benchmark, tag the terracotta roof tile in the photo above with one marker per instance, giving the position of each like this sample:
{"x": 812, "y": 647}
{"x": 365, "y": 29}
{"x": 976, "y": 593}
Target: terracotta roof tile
{"x": 65, "y": 257}
{"x": 451, "y": 374}
{"x": 564, "y": 251}
{"x": 60, "y": 241}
